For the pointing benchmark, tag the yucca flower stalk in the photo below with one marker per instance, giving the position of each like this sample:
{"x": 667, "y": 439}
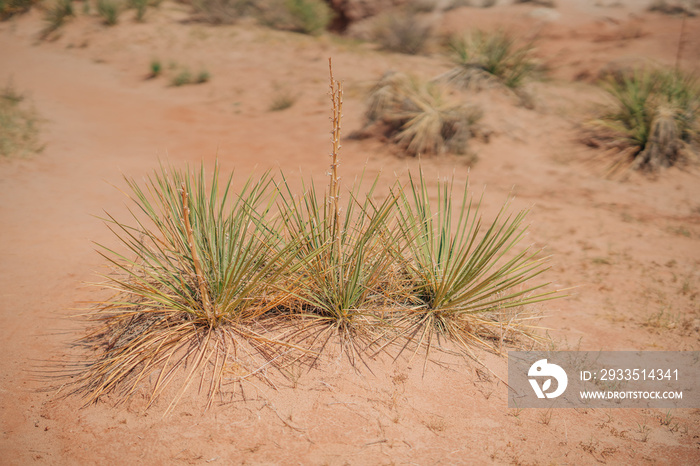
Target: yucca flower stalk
{"x": 340, "y": 256}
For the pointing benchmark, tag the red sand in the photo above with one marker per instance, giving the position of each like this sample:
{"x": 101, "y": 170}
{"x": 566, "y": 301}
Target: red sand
{"x": 630, "y": 245}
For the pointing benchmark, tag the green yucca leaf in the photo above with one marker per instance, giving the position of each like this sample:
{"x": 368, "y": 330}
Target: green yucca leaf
{"x": 337, "y": 275}
{"x": 239, "y": 260}
{"x": 454, "y": 266}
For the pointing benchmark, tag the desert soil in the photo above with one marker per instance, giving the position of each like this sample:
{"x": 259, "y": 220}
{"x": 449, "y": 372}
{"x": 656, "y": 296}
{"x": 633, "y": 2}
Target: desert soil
{"x": 630, "y": 244}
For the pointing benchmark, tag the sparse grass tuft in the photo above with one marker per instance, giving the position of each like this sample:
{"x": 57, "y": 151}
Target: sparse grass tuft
{"x": 203, "y": 77}
{"x": 652, "y": 121}
{"x": 19, "y": 127}
{"x": 182, "y": 78}
{"x": 484, "y": 59}
{"x": 419, "y": 116}
{"x": 140, "y": 6}
{"x": 109, "y": 10}
{"x": 10, "y": 8}
{"x": 401, "y": 32}
{"x": 156, "y": 68}
{"x": 56, "y": 16}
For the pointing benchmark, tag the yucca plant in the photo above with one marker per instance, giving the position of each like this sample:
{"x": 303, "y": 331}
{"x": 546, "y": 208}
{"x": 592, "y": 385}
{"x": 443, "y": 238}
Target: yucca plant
{"x": 342, "y": 249}
{"x": 420, "y": 117}
{"x": 342, "y": 259}
{"x": 483, "y": 59}
{"x": 652, "y": 121}
{"x": 202, "y": 272}
{"x": 463, "y": 274}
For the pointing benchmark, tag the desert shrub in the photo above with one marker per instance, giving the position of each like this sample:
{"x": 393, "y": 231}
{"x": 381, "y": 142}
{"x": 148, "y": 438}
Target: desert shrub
{"x": 484, "y": 59}
{"x": 419, "y": 116}
{"x": 653, "y": 118}
{"x": 401, "y": 32}
{"x": 10, "y": 8}
{"x": 56, "y": 16}
{"x": 109, "y": 11}
{"x": 19, "y": 126}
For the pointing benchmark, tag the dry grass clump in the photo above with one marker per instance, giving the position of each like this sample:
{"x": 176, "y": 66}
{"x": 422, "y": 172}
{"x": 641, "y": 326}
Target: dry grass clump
{"x": 282, "y": 100}
{"x": 652, "y": 121}
{"x": 19, "y": 126}
{"x": 486, "y": 59}
{"x": 224, "y": 287}
{"x": 420, "y": 117}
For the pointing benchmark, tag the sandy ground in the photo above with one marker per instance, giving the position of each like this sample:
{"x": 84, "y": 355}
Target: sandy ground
{"x": 630, "y": 246}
